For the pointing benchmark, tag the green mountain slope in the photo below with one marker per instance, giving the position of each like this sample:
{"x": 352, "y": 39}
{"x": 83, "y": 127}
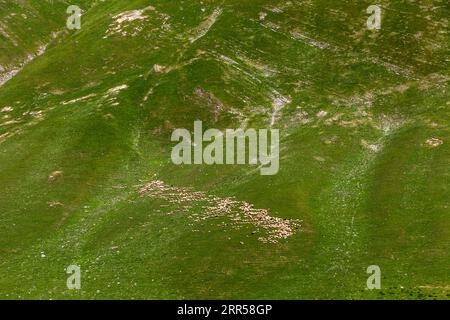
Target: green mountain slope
{"x": 87, "y": 177}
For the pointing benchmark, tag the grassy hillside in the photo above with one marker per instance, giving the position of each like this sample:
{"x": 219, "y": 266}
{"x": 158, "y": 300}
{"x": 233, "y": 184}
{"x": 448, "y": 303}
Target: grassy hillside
{"x": 85, "y": 148}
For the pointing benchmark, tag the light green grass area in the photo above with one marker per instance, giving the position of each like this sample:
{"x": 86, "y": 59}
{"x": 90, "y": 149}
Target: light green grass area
{"x": 364, "y": 160}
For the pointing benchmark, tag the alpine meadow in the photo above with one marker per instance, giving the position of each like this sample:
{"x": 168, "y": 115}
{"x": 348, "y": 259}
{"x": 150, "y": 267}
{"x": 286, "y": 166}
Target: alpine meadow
{"x": 120, "y": 178}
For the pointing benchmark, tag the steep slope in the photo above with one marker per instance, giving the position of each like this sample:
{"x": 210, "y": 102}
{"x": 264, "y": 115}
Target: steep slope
{"x": 85, "y": 164}
{"x": 27, "y": 28}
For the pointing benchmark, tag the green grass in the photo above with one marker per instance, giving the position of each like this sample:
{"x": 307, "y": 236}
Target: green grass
{"x": 358, "y": 207}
